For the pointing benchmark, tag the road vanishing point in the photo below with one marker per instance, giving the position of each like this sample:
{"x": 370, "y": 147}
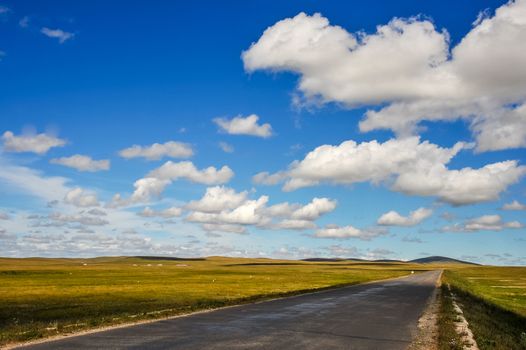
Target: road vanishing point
{"x": 378, "y": 315}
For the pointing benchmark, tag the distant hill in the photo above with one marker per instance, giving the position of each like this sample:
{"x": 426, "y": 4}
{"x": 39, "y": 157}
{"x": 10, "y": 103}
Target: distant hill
{"x": 440, "y": 259}
{"x": 427, "y": 260}
{"x": 323, "y": 259}
{"x": 168, "y": 258}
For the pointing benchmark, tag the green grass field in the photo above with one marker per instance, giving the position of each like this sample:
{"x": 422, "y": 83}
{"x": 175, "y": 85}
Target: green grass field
{"x": 45, "y": 297}
{"x": 493, "y": 300}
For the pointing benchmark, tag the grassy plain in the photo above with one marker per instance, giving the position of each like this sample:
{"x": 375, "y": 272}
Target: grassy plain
{"x": 45, "y": 297}
{"x": 493, "y": 300}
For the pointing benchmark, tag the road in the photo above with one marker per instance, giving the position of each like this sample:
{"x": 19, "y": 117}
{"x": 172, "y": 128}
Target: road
{"x": 379, "y": 315}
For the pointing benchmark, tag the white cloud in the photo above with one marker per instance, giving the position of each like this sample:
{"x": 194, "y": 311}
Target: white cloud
{"x": 59, "y": 218}
{"x": 483, "y": 223}
{"x": 4, "y": 216}
{"x": 265, "y": 178}
{"x": 224, "y": 206}
{"x": 226, "y": 147}
{"x": 345, "y": 232}
{"x": 79, "y": 198}
{"x": 350, "y": 162}
{"x": 166, "y": 213}
{"x": 338, "y": 66}
{"x": 4, "y": 9}
{"x": 316, "y": 208}
{"x": 393, "y": 218}
{"x": 32, "y": 182}
{"x": 248, "y": 213}
{"x": 156, "y": 181}
{"x": 515, "y": 205}
{"x": 239, "y": 229}
{"x": 38, "y": 144}
{"x": 59, "y": 34}
{"x": 147, "y": 188}
{"x": 82, "y": 163}
{"x": 482, "y": 79}
{"x": 217, "y": 199}
{"x": 410, "y": 166}
{"x": 464, "y": 186}
{"x": 209, "y": 176}
{"x": 293, "y": 224}
{"x": 172, "y": 149}
{"x": 244, "y": 126}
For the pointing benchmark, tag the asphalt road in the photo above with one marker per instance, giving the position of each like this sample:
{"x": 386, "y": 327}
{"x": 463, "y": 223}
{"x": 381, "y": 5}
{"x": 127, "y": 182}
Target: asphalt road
{"x": 380, "y": 315}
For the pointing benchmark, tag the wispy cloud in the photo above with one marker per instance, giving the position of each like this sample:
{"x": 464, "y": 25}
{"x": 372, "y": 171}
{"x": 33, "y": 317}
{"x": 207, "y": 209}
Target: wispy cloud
{"x": 226, "y": 147}
{"x": 59, "y": 34}
{"x": 24, "y": 22}
{"x": 4, "y": 9}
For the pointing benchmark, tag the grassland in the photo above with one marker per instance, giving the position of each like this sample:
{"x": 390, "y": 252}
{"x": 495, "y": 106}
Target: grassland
{"x": 45, "y": 297}
{"x": 493, "y": 300}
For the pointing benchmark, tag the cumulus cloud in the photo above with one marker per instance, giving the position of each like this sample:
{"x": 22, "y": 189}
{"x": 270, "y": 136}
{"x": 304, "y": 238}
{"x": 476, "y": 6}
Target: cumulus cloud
{"x": 79, "y": 198}
{"x": 316, "y": 208}
{"x": 350, "y": 162}
{"x": 244, "y": 126}
{"x": 156, "y": 181}
{"x": 82, "y": 163}
{"x": 515, "y": 205}
{"x": 464, "y": 186}
{"x": 59, "y": 34}
{"x": 145, "y": 189}
{"x": 209, "y": 176}
{"x": 223, "y": 207}
{"x": 393, "y": 218}
{"x": 157, "y": 151}
{"x": 345, "y": 232}
{"x": 217, "y": 199}
{"x": 408, "y": 165}
{"x": 166, "y": 213}
{"x": 482, "y": 79}
{"x": 484, "y": 223}
{"x": 39, "y": 144}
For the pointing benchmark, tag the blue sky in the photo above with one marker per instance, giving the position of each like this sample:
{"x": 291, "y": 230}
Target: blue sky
{"x": 349, "y": 113}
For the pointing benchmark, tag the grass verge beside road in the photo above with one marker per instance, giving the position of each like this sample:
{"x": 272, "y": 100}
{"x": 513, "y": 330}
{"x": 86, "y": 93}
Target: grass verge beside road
{"x": 493, "y": 300}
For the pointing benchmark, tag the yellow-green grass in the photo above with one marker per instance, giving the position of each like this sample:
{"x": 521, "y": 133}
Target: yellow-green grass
{"x": 44, "y": 297}
{"x": 493, "y": 300}
{"x": 502, "y": 286}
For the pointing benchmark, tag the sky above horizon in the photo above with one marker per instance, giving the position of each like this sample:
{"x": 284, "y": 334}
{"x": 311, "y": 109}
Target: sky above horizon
{"x": 298, "y": 129}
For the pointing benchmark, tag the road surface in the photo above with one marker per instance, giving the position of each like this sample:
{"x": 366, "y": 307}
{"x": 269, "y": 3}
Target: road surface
{"x": 379, "y": 315}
